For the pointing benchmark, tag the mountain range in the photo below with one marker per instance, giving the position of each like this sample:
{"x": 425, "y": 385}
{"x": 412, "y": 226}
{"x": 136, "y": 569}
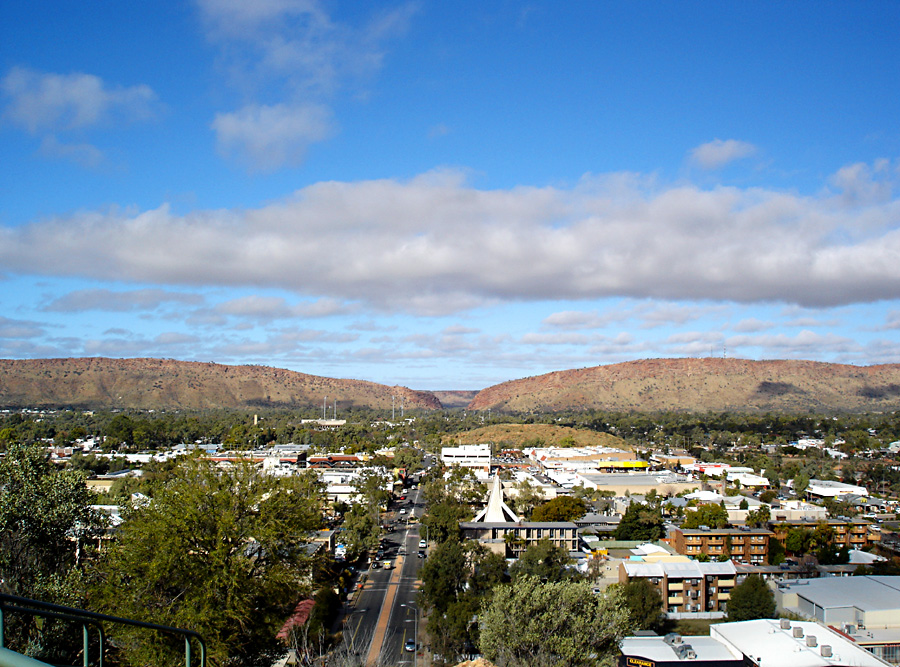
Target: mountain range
{"x": 689, "y": 385}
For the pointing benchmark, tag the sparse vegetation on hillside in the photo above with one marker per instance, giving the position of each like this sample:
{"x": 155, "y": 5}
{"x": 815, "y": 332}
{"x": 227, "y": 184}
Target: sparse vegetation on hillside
{"x": 701, "y": 385}
{"x": 97, "y": 383}
{"x": 517, "y": 436}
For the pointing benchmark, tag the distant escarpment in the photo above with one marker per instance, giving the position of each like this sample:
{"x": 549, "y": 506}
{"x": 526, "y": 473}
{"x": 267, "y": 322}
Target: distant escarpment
{"x": 702, "y": 385}
{"x": 166, "y": 384}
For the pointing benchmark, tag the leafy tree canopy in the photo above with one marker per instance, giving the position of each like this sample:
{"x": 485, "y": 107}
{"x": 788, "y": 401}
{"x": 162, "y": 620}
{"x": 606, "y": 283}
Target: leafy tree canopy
{"x": 644, "y": 603}
{"x": 640, "y": 522}
{"x": 532, "y": 623}
{"x": 714, "y": 516}
{"x": 41, "y": 510}
{"x": 221, "y": 552}
{"x": 751, "y": 599}
{"x": 46, "y": 522}
{"x": 562, "y": 508}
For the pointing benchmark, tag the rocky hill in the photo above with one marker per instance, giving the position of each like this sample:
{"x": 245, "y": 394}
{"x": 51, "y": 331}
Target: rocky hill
{"x": 455, "y": 399}
{"x": 98, "y": 383}
{"x": 700, "y": 385}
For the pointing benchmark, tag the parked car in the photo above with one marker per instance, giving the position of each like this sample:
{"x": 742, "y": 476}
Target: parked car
{"x": 423, "y": 544}
{"x": 421, "y": 554}
{"x": 410, "y": 645}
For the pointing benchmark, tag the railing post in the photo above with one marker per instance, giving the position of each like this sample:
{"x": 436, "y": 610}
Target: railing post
{"x": 84, "y": 634}
{"x": 187, "y": 652}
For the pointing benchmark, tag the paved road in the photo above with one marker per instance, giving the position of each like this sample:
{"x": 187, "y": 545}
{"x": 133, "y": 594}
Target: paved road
{"x": 369, "y": 618}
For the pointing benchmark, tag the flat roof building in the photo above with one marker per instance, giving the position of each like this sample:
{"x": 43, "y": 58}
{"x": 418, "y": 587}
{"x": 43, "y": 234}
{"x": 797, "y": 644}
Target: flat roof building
{"x": 760, "y": 643}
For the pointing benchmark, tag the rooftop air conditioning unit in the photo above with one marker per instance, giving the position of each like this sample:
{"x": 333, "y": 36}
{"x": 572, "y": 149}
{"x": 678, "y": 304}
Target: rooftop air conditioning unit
{"x": 826, "y": 651}
{"x": 785, "y": 624}
{"x": 798, "y": 632}
{"x": 686, "y": 651}
{"x": 672, "y": 638}
{"x": 811, "y": 641}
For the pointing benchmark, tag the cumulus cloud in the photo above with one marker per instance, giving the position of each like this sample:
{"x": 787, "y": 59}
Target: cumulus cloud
{"x": 861, "y": 183}
{"x": 718, "y": 153}
{"x": 44, "y": 101}
{"x": 19, "y": 328}
{"x": 802, "y": 345}
{"x": 82, "y": 154}
{"x": 269, "y": 137}
{"x": 579, "y": 319}
{"x": 752, "y": 325}
{"x": 294, "y": 55}
{"x": 435, "y": 245}
{"x": 118, "y": 301}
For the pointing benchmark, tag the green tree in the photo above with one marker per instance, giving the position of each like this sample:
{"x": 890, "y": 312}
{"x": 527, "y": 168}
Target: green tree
{"x": 527, "y": 497}
{"x": 361, "y": 531}
{"x": 759, "y": 517}
{"x": 801, "y": 483}
{"x": 531, "y": 623}
{"x": 751, "y": 599}
{"x": 444, "y": 575}
{"x": 408, "y": 458}
{"x": 644, "y": 603}
{"x": 561, "y": 508}
{"x": 543, "y": 560}
{"x": 46, "y": 521}
{"x": 798, "y": 540}
{"x": 775, "y": 555}
{"x": 640, "y": 522}
{"x": 221, "y": 552}
{"x": 442, "y": 521}
{"x": 714, "y": 516}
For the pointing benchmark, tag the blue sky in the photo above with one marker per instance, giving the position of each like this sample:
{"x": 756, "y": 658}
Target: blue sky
{"x": 447, "y": 195}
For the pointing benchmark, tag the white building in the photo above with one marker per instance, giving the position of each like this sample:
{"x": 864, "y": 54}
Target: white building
{"x": 477, "y": 457}
{"x": 828, "y": 489}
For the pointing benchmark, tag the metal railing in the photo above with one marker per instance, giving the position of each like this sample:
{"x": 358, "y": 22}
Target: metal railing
{"x": 15, "y": 604}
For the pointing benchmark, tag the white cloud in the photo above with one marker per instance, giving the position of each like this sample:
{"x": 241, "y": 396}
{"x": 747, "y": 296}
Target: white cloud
{"x": 718, "y": 153}
{"x": 49, "y": 102}
{"x": 291, "y": 54}
{"x": 435, "y": 245}
{"x": 803, "y": 345}
{"x": 270, "y": 137}
{"x": 752, "y": 325}
{"x": 555, "y": 339}
{"x": 19, "y": 328}
{"x": 83, "y": 154}
{"x": 118, "y": 301}
{"x": 578, "y": 319}
{"x": 860, "y": 183}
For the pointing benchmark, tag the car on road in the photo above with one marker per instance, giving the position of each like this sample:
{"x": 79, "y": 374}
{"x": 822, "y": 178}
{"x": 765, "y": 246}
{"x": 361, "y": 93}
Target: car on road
{"x": 410, "y": 645}
{"x": 402, "y": 510}
{"x": 423, "y": 544}
{"x": 421, "y": 554}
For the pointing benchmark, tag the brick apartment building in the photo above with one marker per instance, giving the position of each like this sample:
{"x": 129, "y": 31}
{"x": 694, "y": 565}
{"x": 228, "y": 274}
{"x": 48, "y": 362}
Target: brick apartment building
{"x": 688, "y": 588}
{"x": 743, "y": 544}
